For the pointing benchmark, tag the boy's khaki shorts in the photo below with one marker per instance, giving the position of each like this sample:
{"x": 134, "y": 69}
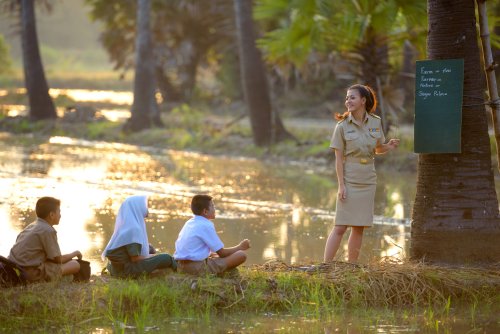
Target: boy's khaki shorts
{"x": 208, "y": 266}
{"x": 47, "y": 271}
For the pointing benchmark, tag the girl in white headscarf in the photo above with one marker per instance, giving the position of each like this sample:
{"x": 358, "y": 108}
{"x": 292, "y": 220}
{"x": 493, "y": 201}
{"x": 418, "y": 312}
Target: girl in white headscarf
{"x": 128, "y": 249}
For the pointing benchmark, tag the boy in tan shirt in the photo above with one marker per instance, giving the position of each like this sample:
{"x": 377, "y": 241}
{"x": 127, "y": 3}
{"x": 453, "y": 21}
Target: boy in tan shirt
{"x": 36, "y": 249}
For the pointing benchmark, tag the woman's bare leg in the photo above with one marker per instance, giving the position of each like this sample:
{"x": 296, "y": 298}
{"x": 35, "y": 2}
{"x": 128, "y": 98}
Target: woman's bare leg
{"x": 333, "y": 242}
{"x": 354, "y": 244}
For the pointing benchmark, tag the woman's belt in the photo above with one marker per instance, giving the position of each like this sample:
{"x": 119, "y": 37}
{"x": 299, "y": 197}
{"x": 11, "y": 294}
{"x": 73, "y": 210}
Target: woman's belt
{"x": 363, "y": 161}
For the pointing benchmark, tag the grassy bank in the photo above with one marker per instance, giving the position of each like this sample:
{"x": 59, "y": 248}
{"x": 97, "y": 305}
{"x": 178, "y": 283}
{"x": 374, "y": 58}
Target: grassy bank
{"x": 428, "y": 295}
{"x": 195, "y": 129}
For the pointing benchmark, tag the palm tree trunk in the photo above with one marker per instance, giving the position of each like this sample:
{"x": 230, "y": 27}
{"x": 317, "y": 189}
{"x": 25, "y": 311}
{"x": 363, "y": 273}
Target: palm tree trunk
{"x": 168, "y": 91}
{"x": 41, "y": 104}
{"x": 375, "y": 66}
{"x": 254, "y": 80}
{"x": 455, "y": 215}
{"x": 145, "y": 111}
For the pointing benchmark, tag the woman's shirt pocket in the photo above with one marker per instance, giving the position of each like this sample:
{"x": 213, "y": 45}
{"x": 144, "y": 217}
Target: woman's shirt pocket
{"x": 374, "y": 137}
{"x": 352, "y": 144}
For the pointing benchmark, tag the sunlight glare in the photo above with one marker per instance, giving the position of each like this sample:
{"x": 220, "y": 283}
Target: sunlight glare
{"x": 399, "y": 211}
{"x": 115, "y": 115}
{"x": 269, "y": 252}
{"x": 87, "y": 95}
{"x": 9, "y": 232}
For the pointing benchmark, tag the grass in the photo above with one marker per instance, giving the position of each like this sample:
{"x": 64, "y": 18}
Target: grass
{"x": 412, "y": 291}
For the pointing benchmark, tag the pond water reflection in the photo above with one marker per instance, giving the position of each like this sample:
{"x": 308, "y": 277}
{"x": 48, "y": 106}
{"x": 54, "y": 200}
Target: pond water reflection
{"x": 341, "y": 323}
{"x": 286, "y": 211}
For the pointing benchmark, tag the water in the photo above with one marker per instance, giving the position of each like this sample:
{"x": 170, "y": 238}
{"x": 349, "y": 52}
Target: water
{"x": 286, "y": 211}
{"x": 341, "y": 323}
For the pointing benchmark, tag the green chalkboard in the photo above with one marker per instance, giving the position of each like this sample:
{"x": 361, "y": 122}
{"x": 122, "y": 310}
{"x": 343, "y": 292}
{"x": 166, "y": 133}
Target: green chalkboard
{"x": 438, "y": 106}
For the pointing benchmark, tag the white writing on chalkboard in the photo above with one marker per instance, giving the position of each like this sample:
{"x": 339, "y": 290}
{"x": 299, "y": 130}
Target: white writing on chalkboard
{"x": 430, "y": 79}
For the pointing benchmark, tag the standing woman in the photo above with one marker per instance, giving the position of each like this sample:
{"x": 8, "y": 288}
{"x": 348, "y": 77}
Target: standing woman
{"x": 128, "y": 249}
{"x": 358, "y": 136}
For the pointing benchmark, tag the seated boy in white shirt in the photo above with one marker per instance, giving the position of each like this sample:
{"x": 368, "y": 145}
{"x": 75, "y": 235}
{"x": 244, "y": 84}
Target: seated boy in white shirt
{"x": 198, "y": 239}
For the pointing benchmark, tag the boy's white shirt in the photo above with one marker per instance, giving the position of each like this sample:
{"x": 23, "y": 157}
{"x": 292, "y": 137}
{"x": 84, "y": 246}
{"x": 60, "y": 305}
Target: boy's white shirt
{"x": 197, "y": 240}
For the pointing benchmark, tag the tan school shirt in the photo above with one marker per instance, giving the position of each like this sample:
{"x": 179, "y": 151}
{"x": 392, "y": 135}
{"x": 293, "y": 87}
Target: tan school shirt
{"x": 35, "y": 244}
{"x": 358, "y": 139}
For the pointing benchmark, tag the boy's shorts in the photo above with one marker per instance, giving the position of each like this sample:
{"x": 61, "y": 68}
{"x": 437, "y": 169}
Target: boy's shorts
{"x": 47, "y": 271}
{"x": 210, "y": 265}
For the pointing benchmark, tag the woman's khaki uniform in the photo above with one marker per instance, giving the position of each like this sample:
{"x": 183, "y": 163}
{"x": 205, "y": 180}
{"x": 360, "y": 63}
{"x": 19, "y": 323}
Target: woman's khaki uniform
{"x": 357, "y": 141}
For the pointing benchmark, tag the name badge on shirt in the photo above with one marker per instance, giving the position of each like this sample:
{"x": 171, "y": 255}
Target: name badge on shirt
{"x": 374, "y": 129}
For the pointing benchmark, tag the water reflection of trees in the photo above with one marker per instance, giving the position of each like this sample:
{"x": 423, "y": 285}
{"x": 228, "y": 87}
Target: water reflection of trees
{"x": 36, "y": 160}
{"x": 395, "y": 195}
{"x": 286, "y": 211}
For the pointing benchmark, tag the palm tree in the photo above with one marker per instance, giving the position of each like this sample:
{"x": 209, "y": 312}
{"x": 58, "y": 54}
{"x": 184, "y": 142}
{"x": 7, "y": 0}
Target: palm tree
{"x": 41, "y": 104}
{"x": 361, "y": 31}
{"x": 266, "y": 125}
{"x": 145, "y": 112}
{"x": 455, "y": 216}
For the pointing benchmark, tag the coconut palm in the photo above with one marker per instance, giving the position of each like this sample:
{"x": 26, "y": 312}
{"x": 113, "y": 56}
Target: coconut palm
{"x": 41, "y": 105}
{"x": 362, "y": 31}
{"x": 145, "y": 110}
{"x": 455, "y": 215}
{"x": 266, "y": 125}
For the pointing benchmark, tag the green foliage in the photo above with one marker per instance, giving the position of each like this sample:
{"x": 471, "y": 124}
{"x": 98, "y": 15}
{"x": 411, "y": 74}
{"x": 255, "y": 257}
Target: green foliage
{"x": 5, "y": 60}
{"x": 307, "y": 26}
{"x": 186, "y": 34}
{"x": 191, "y": 118}
{"x": 493, "y": 11}
{"x": 101, "y": 130}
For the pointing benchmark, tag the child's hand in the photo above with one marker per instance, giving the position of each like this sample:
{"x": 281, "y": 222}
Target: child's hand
{"x": 78, "y": 254}
{"x": 245, "y": 244}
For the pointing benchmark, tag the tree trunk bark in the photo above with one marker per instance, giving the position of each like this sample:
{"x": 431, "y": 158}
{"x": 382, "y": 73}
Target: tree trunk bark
{"x": 254, "y": 80}
{"x": 145, "y": 112}
{"x": 375, "y": 67}
{"x": 407, "y": 74}
{"x": 168, "y": 91}
{"x": 41, "y": 105}
{"x": 455, "y": 216}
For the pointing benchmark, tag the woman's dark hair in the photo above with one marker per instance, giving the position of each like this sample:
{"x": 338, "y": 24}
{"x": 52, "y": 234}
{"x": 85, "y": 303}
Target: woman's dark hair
{"x": 199, "y": 203}
{"x": 46, "y": 205}
{"x": 366, "y": 92}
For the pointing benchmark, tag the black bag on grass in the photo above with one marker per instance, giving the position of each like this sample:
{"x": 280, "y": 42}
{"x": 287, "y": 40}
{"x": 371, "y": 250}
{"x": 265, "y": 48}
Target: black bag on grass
{"x": 10, "y": 273}
{"x": 84, "y": 274}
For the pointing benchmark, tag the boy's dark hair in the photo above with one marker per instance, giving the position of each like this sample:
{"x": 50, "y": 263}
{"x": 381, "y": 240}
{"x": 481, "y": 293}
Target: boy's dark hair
{"x": 199, "y": 203}
{"x": 46, "y": 205}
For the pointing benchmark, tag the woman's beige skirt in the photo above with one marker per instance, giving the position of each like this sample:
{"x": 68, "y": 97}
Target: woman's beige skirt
{"x": 361, "y": 182}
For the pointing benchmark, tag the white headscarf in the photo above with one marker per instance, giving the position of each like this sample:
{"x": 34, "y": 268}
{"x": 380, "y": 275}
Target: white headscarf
{"x": 130, "y": 226}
